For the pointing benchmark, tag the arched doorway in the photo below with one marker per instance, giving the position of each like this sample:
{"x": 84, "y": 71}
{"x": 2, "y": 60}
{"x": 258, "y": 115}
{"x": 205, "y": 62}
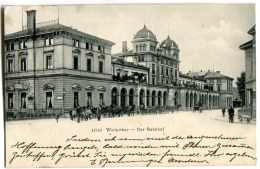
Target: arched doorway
{"x": 209, "y": 101}
{"x": 195, "y": 99}
{"x": 114, "y": 97}
{"x": 148, "y": 98}
{"x": 159, "y": 98}
{"x": 164, "y": 98}
{"x": 153, "y": 98}
{"x": 123, "y": 97}
{"x": 191, "y": 100}
{"x": 141, "y": 97}
{"x": 187, "y": 100}
{"x": 131, "y": 97}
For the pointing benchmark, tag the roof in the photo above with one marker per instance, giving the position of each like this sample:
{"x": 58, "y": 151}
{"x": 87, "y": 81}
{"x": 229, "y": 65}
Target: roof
{"x": 168, "y": 43}
{"x": 246, "y": 45}
{"x": 120, "y": 61}
{"x": 210, "y": 75}
{"x": 252, "y": 31}
{"x": 144, "y": 33}
{"x": 197, "y": 74}
{"x": 54, "y": 28}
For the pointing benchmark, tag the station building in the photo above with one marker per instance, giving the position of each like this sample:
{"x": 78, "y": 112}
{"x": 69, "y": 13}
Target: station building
{"x": 49, "y": 65}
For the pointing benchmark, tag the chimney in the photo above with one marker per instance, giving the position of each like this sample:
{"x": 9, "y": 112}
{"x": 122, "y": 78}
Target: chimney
{"x": 200, "y": 70}
{"x": 31, "y": 20}
{"x": 218, "y": 72}
{"x": 208, "y": 70}
{"x": 124, "y": 46}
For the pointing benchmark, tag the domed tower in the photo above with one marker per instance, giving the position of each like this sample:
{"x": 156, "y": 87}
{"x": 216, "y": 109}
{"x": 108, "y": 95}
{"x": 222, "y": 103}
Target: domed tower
{"x": 170, "y": 48}
{"x": 169, "y": 52}
{"x": 144, "y": 41}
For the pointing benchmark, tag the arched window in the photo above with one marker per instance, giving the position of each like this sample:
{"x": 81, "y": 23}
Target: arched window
{"x": 144, "y": 47}
{"x": 114, "y": 95}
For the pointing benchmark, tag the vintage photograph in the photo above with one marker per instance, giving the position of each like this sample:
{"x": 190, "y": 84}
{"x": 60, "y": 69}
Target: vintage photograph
{"x": 129, "y": 85}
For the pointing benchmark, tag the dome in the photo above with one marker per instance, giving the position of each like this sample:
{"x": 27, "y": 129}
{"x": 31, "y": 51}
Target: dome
{"x": 169, "y": 43}
{"x": 144, "y": 33}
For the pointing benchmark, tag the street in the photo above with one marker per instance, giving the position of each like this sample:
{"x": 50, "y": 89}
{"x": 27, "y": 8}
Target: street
{"x": 184, "y": 123}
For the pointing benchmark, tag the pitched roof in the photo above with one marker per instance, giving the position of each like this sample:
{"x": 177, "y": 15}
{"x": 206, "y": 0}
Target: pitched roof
{"x": 216, "y": 75}
{"x": 246, "y": 45}
{"x": 54, "y": 28}
{"x": 252, "y": 30}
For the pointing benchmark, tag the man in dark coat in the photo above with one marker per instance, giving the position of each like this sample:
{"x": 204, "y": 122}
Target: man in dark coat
{"x": 98, "y": 113}
{"x": 223, "y": 111}
{"x": 78, "y": 114}
{"x": 231, "y": 114}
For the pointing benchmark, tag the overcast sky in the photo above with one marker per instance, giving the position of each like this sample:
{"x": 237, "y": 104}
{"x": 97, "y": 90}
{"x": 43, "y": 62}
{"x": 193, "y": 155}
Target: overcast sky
{"x": 208, "y": 35}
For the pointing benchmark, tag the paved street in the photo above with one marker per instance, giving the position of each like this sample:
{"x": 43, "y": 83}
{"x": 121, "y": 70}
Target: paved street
{"x": 209, "y": 122}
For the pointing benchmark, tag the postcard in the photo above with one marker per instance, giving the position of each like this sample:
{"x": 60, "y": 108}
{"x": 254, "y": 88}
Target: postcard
{"x": 129, "y": 85}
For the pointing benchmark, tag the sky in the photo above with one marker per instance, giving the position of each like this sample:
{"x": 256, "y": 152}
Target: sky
{"x": 208, "y": 35}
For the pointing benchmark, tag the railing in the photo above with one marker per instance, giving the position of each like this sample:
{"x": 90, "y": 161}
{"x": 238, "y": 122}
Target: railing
{"x": 44, "y": 24}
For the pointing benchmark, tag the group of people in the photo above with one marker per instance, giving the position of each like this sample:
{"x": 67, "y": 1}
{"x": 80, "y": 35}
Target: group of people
{"x": 231, "y": 114}
{"x": 84, "y": 113}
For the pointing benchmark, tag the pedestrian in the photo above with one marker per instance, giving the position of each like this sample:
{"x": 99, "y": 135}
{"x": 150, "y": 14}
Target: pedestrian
{"x": 88, "y": 113}
{"x": 231, "y": 114}
{"x": 57, "y": 113}
{"x": 98, "y": 113}
{"x": 78, "y": 114}
{"x": 74, "y": 113}
{"x": 223, "y": 111}
{"x": 70, "y": 112}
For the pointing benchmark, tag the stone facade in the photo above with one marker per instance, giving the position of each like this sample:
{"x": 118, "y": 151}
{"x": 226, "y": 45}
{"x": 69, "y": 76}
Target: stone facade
{"x": 250, "y": 71}
{"x": 55, "y": 66}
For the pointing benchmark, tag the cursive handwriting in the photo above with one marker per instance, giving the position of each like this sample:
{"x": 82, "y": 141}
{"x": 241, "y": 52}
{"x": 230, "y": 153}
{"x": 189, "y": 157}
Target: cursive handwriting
{"x": 113, "y": 150}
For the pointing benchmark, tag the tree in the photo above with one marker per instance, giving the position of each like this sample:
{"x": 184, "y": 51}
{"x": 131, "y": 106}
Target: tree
{"x": 241, "y": 86}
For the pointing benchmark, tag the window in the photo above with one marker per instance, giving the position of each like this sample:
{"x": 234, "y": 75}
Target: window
{"x": 141, "y": 47}
{"x": 49, "y": 100}
{"x": 10, "y": 101}
{"x": 10, "y": 46}
{"x": 22, "y": 45}
{"x": 218, "y": 80}
{"x": 162, "y": 71}
{"x": 136, "y": 48}
{"x": 75, "y": 62}
{"x": 153, "y": 80}
{"x": 153, "y": 58}
{"x": 76, "y": 99}
{"x": 10, "y": 64}
{"x": 153, "y": 69}
{"x": 89, "y": 99}
{"x": 49, "y": 62}
{"x": 144, "y": 47}
{"x": 171, "y": 71}
{"x": 171, "y": 63}
{"x": 23, "y": 64}
{"x": 101, "y": 49}
{"x": 141, "y": 58}
{"x": 176, "y": 73}
{"x": 101, "y": 98}
{"x": 75, "y": 42}
{"x": 100, "y": 67}
{"x": 89, "y": 65}
{"x": 48, "y": 41}
{"x": 88, "y": 46}
{"x": 167, "y": 71}
{"x": 219, "y": 87}
{"x": 23, "y": 100}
